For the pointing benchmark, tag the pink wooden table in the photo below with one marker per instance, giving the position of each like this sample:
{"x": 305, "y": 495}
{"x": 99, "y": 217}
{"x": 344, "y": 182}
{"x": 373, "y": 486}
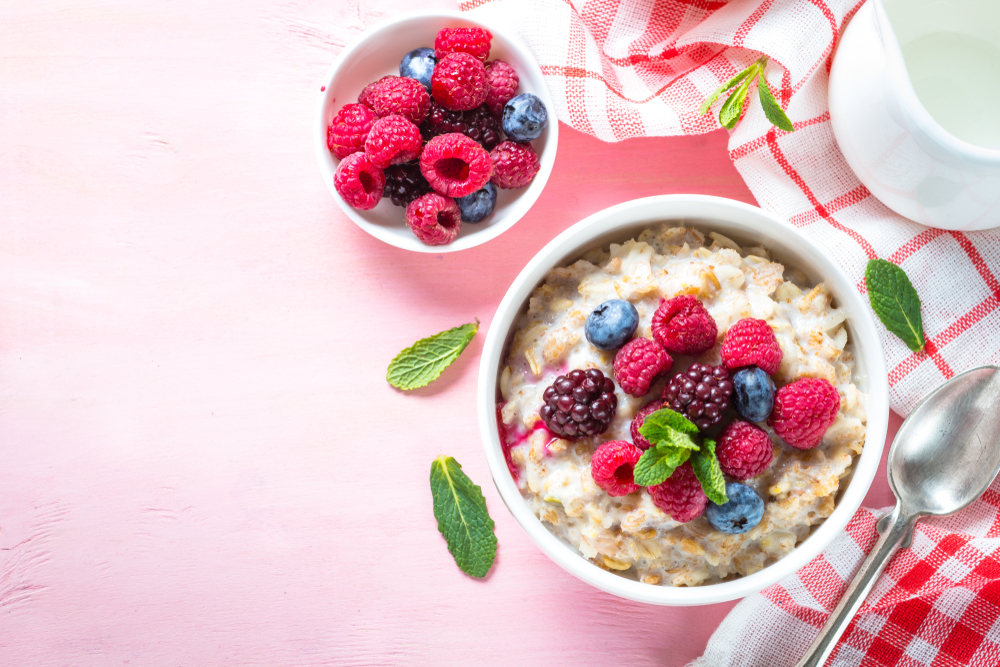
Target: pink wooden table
{"x": 200, "y": 461}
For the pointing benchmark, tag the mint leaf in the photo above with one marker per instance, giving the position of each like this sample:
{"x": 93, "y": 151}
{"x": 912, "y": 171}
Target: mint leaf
{"x": 733, "y": 108}
{"x": 710, "y": 100}
{"x": 660, "y": 426}
{"x": 460, "y": 509}
{"x": 707, "y": 470}
{"x": 658, "y": 463}
{"x": 424, "y": 361}
{"x": 895, "y": 301}
{"x": 772, "y": 110}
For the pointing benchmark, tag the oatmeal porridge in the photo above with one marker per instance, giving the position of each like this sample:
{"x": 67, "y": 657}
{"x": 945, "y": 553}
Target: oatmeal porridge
{"x": 630, "y": 534}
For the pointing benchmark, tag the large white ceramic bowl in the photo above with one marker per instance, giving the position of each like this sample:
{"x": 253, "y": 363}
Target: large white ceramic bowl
{"x": 744, "y": 224}
{"x": 377, "y": 53}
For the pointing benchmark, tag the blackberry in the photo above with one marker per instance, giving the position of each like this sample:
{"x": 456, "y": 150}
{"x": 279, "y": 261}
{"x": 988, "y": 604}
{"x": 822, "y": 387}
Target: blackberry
{"x": 477, "y": 124}
{"x": 579, "y": 403}
{"x": 700, "y": 393}
{"x": 404, "y": 183}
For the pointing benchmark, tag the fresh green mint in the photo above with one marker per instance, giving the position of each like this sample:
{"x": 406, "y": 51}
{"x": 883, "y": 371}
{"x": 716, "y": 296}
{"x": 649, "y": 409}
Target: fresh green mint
{"x": 732, "y": 108}
{"x": 707, "y": 470}
{"x": 670, "y": 433}
{"x": 460, "y": 510}
{"x": 895, "y": 301}
{"x": 423, "y": 362}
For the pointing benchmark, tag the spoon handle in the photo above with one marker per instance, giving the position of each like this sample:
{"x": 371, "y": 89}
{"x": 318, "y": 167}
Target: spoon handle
{"x": 897, "y": 528}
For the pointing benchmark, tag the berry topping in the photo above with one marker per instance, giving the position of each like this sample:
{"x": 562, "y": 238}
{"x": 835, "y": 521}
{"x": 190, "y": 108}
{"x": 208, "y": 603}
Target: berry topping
{"x": 525, "y": 117}
{"x": 474, "y": 41}
{"x": 401, "y": 96}
{"x": 455, "y": 165}
{"x": 459, "y": 82}
{"x": 393, "y": 140}
{"x": 744, "y": 450}
{"x": 404, "y": 183}
{"x": 477, "y": 124}
{"x": 612, "y": 467}
{"x": 349, "y": 129}
{"x": 611, "y": 324}
{"x": 503, "y": 84}
{"x": 700, "y": 393}
{"x": 680, "y": 495}
{"x": 753, "y": 393}
{"x": 744, "y": 510}
{"x": 479, "y": 204}
{"x": 751, "y": 342}
{"x": 365, "y": 97}
{"x": 682, "y": 325}
{"x": 579, "y": 403}
{"x": 419, "y": 64}
{"x": 803, "y": 410}
{"x": 638, "y": 363}
{"x": 514, "y": 164}
{"x": 359, "y": 181}
{"x": 433, "y": 219}
{"x": 637, "y": 421}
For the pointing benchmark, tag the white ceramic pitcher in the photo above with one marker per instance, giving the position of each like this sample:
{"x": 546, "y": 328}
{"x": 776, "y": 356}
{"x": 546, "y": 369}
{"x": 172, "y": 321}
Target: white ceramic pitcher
{"x": 882, "y": 117}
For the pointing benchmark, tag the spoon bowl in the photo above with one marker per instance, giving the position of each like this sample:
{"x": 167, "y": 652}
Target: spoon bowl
{"x": 946, "y": 452}
{"x": 944, "y": 456}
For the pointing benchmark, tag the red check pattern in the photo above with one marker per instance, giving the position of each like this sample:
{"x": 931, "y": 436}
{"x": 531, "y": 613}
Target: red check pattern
{"x": 630, "y": 68}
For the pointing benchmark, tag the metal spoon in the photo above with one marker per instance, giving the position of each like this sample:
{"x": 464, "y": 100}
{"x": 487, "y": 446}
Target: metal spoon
{"x": 944, "y": 456}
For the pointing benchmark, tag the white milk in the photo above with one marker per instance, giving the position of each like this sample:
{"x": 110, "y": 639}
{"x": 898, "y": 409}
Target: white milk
{"x": 952, "y": 54}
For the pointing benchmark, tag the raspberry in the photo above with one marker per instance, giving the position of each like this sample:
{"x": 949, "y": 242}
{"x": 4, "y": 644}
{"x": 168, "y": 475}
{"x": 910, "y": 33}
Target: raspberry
{"x": 359, "y": 181}
{"x": 803, "y": 410}
{"x": 638, "y": 363}
{"x": 744, "y": 450}
{"x": 474, "y": 41}
{"x": 682, "y": 325}
{"x": 612, "y": 467}
{"x": 503, "y": 84}
{"x": 514, "y": 164}
{"x": 349, "y": 129}
{"x": 681, "y": 495}
{"x": 455, "y": 165}
{"x": 459, "y": 82}
{"x": 700, "y": 393}
{"x": 434, "y": 219}
{"x": 404, "y": 183}
{"x": 365, "y": 97}
{"x": 393, "y": 140}
{"x": 751, "y": 342}
{"x": 579, "y": 403}
{"x": 637, "y": 421}
{"x": 477, "y": 124}
{"x": 401, "y": 96}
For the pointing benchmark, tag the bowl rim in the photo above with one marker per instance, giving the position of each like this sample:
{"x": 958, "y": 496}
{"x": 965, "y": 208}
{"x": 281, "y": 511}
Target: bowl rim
{"x": 690, "y": 209}
{"x": 519, "y": 207}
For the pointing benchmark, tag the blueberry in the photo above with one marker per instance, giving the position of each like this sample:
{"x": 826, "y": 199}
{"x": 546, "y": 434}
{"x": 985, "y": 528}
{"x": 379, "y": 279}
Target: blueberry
{"x": 479, "y": 204}
{"x": 524, "y": 117}
{"x": 753, "y": 393}
{"x": 419, "y": 64}
{"x": 744, "y": 510}
{"x": 612, "y": 324}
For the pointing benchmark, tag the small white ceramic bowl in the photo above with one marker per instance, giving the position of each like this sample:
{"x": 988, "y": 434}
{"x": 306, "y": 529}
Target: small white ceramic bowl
{"x": 744, "y": 224}
{"x": 377, "y": 53}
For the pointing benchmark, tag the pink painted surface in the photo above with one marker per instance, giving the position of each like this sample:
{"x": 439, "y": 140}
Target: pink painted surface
{"x": 201, "y": 461}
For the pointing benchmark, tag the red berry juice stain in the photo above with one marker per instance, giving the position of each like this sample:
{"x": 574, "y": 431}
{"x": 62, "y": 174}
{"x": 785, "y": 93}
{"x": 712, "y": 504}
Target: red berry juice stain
{"x": 515, "y": 437}
{"x": 322, "y": 89}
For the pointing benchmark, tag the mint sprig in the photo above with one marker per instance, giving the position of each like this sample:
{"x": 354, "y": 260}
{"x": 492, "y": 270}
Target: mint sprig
{"x": 895, "y": 301}
{"x": 670, "y": 434}
{"x": 460, "y": 510}
{"x": 732, "y": 108}
{"x": 424, "y": 361}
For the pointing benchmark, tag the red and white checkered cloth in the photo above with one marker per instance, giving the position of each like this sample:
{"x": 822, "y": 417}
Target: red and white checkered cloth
{"x": 631, "y": 68}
